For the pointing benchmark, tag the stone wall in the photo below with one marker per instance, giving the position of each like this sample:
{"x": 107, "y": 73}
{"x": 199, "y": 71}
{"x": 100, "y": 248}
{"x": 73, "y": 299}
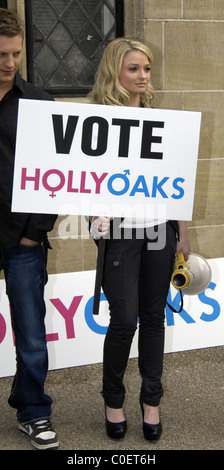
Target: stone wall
{"x": 187, "y": 40}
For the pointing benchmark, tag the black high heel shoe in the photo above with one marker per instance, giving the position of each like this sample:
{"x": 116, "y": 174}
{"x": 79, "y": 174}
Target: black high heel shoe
{"x": 152, "y": 432}
{"x": 115, "y": 430}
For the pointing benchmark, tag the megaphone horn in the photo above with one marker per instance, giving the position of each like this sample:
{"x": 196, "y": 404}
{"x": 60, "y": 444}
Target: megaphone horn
{"x": 192, "y": 277}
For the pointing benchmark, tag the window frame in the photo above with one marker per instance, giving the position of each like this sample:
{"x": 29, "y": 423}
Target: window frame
{"x": 66, "y": 92}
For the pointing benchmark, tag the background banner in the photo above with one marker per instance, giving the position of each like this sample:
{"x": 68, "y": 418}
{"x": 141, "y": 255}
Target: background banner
{"x": 76, "y": 158}
{"x": 75, "y": 337}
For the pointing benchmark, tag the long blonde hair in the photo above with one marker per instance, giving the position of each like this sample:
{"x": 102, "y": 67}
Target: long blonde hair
{"x": 107, "y": 88}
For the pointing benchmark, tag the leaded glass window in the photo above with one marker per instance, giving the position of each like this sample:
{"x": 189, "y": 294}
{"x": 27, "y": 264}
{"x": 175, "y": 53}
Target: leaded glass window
{"x": 66, "y": 39}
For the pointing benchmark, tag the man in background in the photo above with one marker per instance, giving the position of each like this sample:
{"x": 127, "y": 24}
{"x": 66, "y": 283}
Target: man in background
{"x": 23, "y": 251}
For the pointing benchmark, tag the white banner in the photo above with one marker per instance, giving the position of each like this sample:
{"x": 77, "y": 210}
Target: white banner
{"x": 76, "y": 158}
{"x": 75, "y": 337}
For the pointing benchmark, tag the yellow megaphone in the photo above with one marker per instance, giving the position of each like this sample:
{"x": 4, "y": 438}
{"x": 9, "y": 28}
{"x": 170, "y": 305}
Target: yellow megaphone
{"x": 181, "y": 277}
{"x": 192, "y": 277}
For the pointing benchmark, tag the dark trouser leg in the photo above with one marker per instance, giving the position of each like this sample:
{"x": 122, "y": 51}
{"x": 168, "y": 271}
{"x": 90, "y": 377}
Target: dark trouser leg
{"x": 121, "y": 289}
{"x": 155, "y": 274}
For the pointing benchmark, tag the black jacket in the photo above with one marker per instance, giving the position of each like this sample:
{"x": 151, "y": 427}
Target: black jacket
{"x": 14, "y": 226}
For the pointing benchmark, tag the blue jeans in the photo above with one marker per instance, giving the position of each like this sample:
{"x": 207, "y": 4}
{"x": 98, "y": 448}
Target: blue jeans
{"x": 25, "y": 276}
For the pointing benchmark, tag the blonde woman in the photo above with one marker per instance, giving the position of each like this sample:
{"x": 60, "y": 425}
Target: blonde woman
{"x": 136, "y": 279}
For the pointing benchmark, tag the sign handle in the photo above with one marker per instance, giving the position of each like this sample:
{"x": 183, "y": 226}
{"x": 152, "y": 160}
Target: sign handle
{"x": 99, "y": 275}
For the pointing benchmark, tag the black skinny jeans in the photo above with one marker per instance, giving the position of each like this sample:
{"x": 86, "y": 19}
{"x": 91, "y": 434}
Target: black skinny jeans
{"x": 136, "y": 283}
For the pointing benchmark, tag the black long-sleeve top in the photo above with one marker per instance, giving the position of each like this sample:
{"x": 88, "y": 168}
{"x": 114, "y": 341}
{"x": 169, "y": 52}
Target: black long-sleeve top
{"x": 14, "y": 225}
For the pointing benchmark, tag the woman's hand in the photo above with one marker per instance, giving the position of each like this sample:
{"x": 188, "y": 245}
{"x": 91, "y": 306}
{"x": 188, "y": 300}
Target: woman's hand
{"x": 99, "y": 226}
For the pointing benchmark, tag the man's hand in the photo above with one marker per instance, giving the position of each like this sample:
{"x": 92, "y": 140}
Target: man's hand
{"x": 27, "y": 242}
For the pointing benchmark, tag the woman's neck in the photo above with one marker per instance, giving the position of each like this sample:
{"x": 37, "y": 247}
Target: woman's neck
{"x": 134, "y": 101}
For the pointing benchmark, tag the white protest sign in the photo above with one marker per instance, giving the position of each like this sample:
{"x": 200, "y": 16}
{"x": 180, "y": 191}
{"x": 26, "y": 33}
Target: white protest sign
{"x": 76, "y": 158}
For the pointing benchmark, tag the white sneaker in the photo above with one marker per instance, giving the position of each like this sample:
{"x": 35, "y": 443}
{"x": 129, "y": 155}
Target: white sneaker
{"x": 41, "y": 434}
